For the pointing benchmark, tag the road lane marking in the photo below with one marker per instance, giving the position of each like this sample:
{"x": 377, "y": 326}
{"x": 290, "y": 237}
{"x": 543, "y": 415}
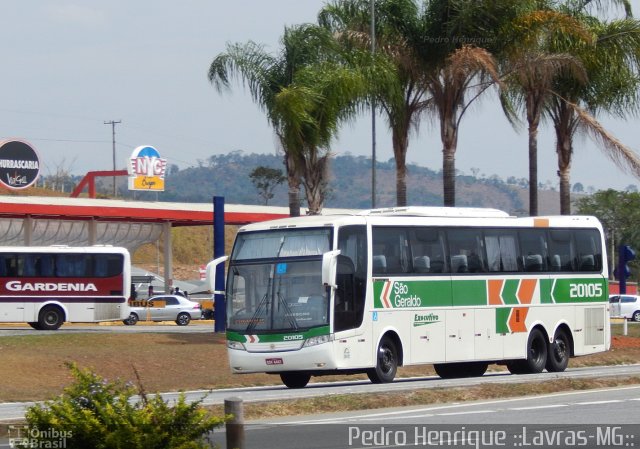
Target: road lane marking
{"x": 537, "y": 407}
{"x": 611, "y": 401}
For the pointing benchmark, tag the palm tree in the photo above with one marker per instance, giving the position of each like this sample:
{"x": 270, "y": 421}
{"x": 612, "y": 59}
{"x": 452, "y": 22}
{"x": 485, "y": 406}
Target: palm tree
{"x": 266, "y": 75}
{"x": 531, "y": 70}
{"x": 309, "y": 113}
{"x": 400, "y": 94}
{"x": 612, "y": 64}
{"x": 448, "y": 87}
{"x": 461, "y": 41}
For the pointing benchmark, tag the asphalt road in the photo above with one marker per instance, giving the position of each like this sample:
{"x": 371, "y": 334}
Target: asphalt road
{"x": 594, "y": 418}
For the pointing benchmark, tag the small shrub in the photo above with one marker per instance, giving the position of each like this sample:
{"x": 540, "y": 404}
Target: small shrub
{"x": 95, "y": 413}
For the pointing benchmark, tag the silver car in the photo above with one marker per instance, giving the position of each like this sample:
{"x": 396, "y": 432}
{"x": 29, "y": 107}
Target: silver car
{"x": 625, "y": 306}
{"x": 176, "y": 308}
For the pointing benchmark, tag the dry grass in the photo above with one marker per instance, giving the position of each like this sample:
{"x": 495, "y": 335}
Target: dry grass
{"x": 33, "y": 366}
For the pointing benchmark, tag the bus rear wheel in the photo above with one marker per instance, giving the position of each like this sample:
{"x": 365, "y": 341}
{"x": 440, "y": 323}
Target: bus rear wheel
{"x": 558, "y": 352}
{"x": 536, "y": 356}
{"x": 50, "y": 318}
{"x": 295, "y": 380}
{"x": 386, "y": 363}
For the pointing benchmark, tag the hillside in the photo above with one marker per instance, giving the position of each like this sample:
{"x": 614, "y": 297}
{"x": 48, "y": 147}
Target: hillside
{"x": 349, "y": 185}
{"x": 349, "y": 188}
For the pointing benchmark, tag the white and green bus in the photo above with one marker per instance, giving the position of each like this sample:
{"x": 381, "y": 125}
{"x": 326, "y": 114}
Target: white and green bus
{"x": 459, "y": 288}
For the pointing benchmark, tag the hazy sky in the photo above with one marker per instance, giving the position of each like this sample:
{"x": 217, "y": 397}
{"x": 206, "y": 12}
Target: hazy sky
{"x": 70, "y": 65}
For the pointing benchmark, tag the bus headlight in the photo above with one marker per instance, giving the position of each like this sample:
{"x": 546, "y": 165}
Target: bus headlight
{"x": 235, "y": 345}
{"x": 313, "y": 341}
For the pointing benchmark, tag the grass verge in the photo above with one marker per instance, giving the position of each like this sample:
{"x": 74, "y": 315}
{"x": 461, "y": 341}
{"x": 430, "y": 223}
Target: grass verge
{"x": 33, "y": 366}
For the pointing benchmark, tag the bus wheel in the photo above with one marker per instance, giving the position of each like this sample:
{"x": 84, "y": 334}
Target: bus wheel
{"x": 386, "y": 363}
{"x": 558, "y": 352}
{"x": 295, "y": 380}
{"x": 50, "y": 318}
{"x": 35, "y": 325}
{"x": 536, "y": 356}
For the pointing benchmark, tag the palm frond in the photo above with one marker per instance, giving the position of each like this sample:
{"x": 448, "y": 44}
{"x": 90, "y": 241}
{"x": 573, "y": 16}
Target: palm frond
{"x": 624, "y": 157}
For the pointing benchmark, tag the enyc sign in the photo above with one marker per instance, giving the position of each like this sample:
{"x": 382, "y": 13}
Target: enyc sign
{"x": 146, "y": 169}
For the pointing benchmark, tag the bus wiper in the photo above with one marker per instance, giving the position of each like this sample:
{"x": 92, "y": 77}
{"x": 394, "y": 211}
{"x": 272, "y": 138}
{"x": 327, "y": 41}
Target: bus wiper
{"x": 287, "y": 312}
{"x": 255, "y": 318}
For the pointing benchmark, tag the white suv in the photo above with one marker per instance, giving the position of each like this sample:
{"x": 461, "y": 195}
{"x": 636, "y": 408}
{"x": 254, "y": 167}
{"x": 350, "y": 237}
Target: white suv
{"x": 626, "y": 306}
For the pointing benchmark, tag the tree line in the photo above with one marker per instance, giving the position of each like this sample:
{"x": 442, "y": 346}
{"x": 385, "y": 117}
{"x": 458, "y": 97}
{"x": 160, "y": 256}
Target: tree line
{"x": 565, "y": 62}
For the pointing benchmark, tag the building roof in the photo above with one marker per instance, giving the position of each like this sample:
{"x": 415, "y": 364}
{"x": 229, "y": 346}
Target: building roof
{"x": 178, "y": 214}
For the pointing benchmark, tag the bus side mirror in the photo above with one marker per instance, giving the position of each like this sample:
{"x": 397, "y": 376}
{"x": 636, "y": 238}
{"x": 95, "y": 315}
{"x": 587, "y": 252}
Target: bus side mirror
{"x": 329, "y": 268}
{"x": 211, "y": 274}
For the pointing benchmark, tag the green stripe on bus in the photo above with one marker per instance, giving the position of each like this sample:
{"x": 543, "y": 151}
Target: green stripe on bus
{"x": 391, "y": 294}
{"x": 469, "y": 293}
{"x": 545, "y": 291}
{"x": 580, "y": 290}
{"x": 502, "y": 320}
{"x": 510, "y": 291}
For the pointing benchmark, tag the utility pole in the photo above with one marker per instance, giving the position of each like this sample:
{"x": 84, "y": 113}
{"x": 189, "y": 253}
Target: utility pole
{"x": 113, "y": 124}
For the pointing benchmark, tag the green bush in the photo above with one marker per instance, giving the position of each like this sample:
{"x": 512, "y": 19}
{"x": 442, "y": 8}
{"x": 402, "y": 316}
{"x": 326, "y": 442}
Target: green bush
{"x": 95, "y": 413}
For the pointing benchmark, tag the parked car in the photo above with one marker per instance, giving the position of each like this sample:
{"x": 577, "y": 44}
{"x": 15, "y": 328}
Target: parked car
{"x": 176, "y": 308}
{"x": 626, "y": 306}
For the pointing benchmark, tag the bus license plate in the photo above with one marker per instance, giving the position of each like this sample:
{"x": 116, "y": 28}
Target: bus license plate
{"x": 274, "y": 361}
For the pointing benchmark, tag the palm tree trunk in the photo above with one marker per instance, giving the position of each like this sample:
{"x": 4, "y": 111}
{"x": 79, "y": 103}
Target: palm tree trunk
{"x": 293, "y": 181}
{"x": 449, "y": 136}
{"x": 533, "y": 168}
{"x": 449, "y": 176}
{"x": 314, "y": 178}
{"x": 564, "y": 150}
{"x": 564, "y": 126}
{"x": 400, "y": 145}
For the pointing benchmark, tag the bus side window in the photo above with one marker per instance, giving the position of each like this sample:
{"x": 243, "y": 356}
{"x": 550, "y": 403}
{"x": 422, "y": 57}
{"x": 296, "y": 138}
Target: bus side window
{"x": 466, "y": 250}
{"x": 393, "y": 244}
{"x": 502, "y": 251}
{"x": 427, "y": 248}
{"x": 562, "y": 250}
{"x": 588, "y": 248}
{"x": 533, "y": 250}
{"x": 99, "y": 265}
{"x": 29, "y": 265}
{"x": 45, "y": 265}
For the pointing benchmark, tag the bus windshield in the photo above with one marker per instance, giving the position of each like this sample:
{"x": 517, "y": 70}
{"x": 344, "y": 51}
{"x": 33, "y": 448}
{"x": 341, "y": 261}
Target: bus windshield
{"x": 275, "y": 281}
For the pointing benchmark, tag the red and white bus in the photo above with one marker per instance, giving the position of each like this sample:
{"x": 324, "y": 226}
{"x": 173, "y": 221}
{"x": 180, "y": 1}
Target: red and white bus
{"x": 48, "y": 285}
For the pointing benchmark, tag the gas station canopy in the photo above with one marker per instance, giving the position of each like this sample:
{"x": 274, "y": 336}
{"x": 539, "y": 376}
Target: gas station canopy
{"x": 32, "y": 221}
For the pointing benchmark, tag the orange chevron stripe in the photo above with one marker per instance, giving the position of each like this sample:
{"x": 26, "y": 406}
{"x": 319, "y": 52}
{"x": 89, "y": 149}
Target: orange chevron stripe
{"x": 526, "y": 289}
{"x": 517, "y": 319}
{"x": 495, "y": 288}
